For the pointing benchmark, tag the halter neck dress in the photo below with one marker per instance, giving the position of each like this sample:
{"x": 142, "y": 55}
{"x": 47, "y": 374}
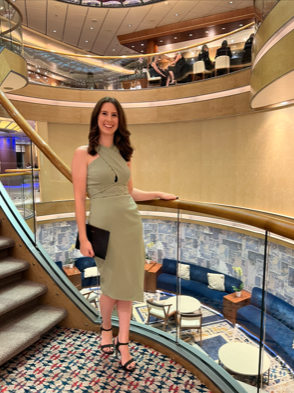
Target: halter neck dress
{"x": 113, "y": 208}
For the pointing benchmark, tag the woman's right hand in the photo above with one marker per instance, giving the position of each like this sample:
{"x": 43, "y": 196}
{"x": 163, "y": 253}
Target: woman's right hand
{"x": 86, "y": 249}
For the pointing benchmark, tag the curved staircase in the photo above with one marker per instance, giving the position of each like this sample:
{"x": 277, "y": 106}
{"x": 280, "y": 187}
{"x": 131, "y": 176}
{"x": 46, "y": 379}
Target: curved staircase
{"x": 22, "y": 318}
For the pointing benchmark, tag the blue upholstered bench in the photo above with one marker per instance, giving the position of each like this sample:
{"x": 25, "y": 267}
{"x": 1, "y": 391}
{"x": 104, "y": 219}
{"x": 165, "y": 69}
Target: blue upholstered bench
{"x": 279, "y": 326}
{"x": 197, "y": 286}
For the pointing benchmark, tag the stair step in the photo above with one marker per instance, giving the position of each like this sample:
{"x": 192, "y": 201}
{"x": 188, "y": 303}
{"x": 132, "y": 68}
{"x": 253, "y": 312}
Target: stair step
{"x": 21, "y": 332}
{"x": 6, "y": 242}
{"x": 19, "y": 292}
{"x": 10, "y": 266}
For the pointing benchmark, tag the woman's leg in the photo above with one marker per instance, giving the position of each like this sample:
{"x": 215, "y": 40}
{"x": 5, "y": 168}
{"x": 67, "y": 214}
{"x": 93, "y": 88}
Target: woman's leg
{"x": 106, "y": 307}
{"x": 124, "y": 309}
{"x": 172, "y": 75}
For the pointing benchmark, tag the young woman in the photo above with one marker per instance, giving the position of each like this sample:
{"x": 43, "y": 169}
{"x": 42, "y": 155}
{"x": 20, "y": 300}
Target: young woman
{"x": 103, "y": 168}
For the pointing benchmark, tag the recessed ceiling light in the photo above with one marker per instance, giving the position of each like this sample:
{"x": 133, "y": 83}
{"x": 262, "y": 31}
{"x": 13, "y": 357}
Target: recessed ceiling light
{"x": 142, "y": 51}
{"x": 142, "y": 44}
{"x": 54, "y": 31}
{"x": 175, "y": 38}
{"x": 129, "y": 25}
{"x": 133, "y": 46}
{"x": 86, "y": 41}
{"x": 231, "y": 2}
{"x": 113, "y": 50}
{"x": 223, "y": 28}
{"x": 232, "y": 40}
{"x": 190, "y": 35}
{"x": 91, "y": 28}
{"x": 160, "y": 41}
{"x": 176, "y": 14}
{"x": 207, "y": 32}
{"x": 241, "y": 25}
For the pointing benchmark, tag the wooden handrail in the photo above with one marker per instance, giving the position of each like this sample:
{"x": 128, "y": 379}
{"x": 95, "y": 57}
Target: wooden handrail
{"x": 28, "y": 170}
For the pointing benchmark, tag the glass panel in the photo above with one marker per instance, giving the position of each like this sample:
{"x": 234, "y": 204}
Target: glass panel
{"x": 16, "y": 173}
{"x": 10, "y": 32}
{"x": 279, "y": 302}
{"x": 221, "y": 275}
{"x": 262, "y": 8}
{"x": 160, "y": 232}
{"x": 139, "y": 72}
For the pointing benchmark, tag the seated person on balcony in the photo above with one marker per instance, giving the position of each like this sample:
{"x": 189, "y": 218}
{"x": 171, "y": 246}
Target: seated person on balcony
{"x": 204, "y": 55}
{"x": 247, "y": 50}
{"x": 155, "y": 71}
{"x": 224, "y": 50}
{"x": 180, "y": 67}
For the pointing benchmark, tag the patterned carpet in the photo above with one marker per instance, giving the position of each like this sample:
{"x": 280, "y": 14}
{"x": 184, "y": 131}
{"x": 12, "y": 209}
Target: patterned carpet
{"x": 69, "y": 360}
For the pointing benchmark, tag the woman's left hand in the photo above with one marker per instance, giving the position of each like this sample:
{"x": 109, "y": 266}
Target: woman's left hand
{"x": 167, "y": 197}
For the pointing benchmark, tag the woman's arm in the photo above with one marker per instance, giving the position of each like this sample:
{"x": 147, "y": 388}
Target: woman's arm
{"x": 157, "y": 69}
{"x": 139, "y": 195}
{"x": 79, "y": 179}
{"x": 176, "y": 59}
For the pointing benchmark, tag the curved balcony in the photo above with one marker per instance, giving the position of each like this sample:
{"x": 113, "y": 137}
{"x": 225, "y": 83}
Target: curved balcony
{"x": 13, "y": 72}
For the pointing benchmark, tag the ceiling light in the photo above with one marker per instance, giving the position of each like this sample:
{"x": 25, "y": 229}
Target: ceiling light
{"x": 133, "y": 46}
{"x": 231, "y": 2}
{"x": 207, "y": 32}
{"x": 54, "y": 31}
{"x": 142, "y": 51}
{"x": 160, "y": 41}
{"x": 38, "y": 70}
{"x": 86, "y": 41}
{"x": 223, "y": 28}
{"x": 190, "y": 35}
{"x": 91, "y": 28}
{"x": 142, "y": 44}
{"x": 175, "y": 38}
{"x": 241, "y": 25}
{"x": 113, "y": 50}
{"x": 129, "y": 25}
{"x": 176, "y": 14}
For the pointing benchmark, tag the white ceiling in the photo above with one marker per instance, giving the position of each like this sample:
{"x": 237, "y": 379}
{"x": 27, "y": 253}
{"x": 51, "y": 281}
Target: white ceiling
{"x": 95, "y": 29}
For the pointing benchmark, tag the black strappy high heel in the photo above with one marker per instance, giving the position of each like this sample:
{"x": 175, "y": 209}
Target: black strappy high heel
{"x": 124, "y": 366}
{"x": 107, "y": 345}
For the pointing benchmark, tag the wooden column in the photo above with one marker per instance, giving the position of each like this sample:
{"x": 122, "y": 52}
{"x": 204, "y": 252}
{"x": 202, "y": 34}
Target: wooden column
{"x": 151, "y": 48}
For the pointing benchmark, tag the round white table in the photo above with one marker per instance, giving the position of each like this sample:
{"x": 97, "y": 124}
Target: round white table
{"x": 243, "y": 359}
{"x": 186, "y": 304}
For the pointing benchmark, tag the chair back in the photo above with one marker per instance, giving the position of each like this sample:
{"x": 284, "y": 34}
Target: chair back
{"x": 198, "y": 67}
{"x": 148, "y": 75}
{"x": 192, "y": 319}
{"x": 222, "y": 62}
{"x": 161, "y": 307}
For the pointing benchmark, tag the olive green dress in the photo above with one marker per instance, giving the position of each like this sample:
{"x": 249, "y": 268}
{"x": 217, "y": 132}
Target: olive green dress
{"x": 113, "y": 208}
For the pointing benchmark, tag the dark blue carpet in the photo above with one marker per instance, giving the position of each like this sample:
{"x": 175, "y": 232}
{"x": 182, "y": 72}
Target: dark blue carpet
{"x": 212, "y": 345}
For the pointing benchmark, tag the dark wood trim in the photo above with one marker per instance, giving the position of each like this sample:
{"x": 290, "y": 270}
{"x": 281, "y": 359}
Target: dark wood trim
{"x": 187, "y": 26}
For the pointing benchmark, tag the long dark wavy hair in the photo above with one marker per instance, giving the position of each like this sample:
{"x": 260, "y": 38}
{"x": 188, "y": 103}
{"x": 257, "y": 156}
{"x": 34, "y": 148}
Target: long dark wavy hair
{"x": 121, "y": 136}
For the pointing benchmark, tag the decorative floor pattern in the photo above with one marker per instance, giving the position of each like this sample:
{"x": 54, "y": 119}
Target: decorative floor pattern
{"x": 69, "y": 360}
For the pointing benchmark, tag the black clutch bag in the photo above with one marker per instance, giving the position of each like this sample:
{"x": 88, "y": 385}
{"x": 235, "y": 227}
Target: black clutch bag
{"x": 99, "y": 239}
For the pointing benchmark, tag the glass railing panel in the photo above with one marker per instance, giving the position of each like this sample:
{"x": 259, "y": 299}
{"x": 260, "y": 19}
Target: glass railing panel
{"x": 262, "y": 8}
{"x": 221, "y": 267}
{"x": 136, "y": 73}
{"x": 279, "y": 309}
{"x": 10, "y": 30}
{"x": 160, "y": 235}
